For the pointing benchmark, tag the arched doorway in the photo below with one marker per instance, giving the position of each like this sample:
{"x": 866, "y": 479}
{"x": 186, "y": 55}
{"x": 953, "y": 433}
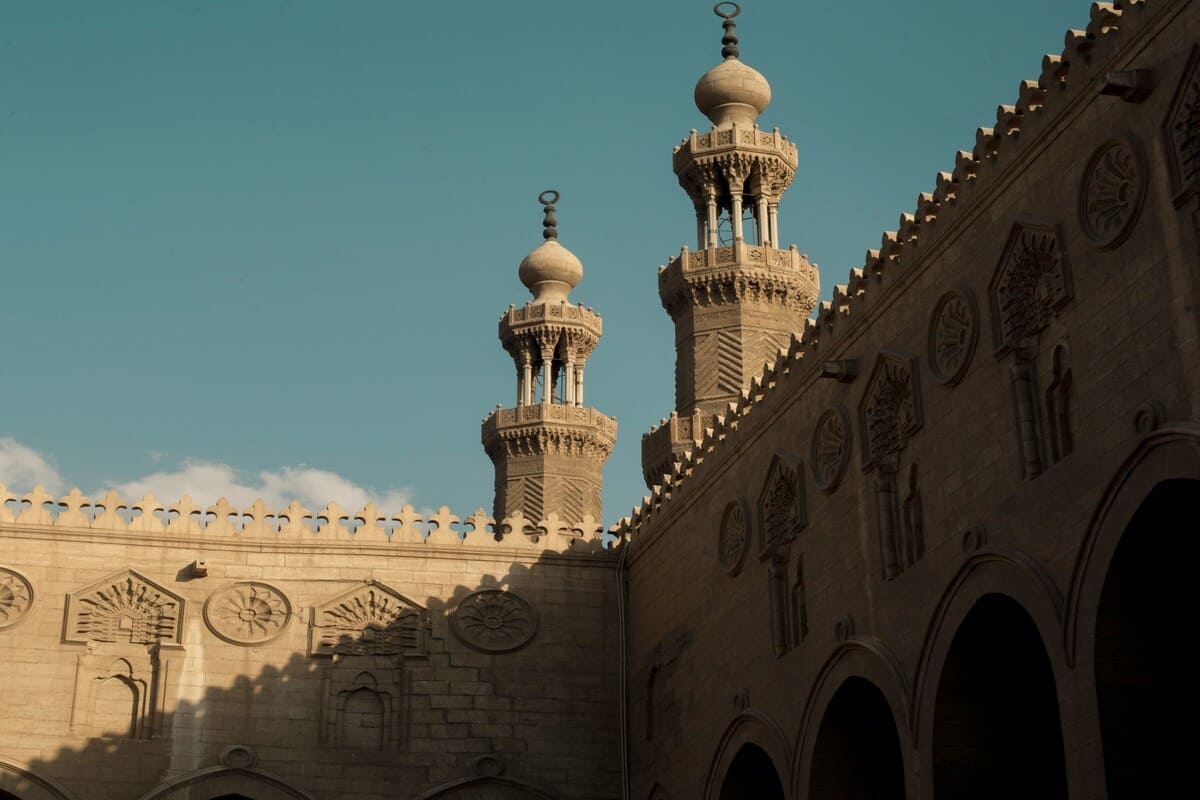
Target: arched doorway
{"x": 996, "y": 727}
{"x": 1144, "y": 685}
{"x": 751, "y": 776}
{"x": 857, "y": 753}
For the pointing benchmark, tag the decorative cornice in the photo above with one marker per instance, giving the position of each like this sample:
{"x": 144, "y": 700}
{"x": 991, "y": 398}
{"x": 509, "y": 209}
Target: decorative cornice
{"x": 738, "y": 273}
{"x": 549, "y": 429}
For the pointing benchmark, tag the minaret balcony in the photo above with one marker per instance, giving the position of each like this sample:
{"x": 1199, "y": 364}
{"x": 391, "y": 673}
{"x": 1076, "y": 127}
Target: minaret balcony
{"x": 736, "y": 138}
{"x": 665, "y": 445}
{"x": 543, "y": 428}
{"x": 736, "y": 273}
{"x": 554, "y": 316}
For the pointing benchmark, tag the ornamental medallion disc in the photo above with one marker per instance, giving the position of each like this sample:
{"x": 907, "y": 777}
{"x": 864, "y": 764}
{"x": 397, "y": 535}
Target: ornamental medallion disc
{"x": 953, "y": 331}
{"x": 16, "y": 597}
{"x": 1110, "y": 199}
{"x": 733, "y": 542}
{"x": 494, "y": 621}
{"x": 247, "y": 613}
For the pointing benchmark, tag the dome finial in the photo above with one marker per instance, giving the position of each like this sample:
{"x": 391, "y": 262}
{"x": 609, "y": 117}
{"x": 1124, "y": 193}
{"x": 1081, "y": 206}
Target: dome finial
{"x": 550, "y": 224}
{"x": 730, "y": 39}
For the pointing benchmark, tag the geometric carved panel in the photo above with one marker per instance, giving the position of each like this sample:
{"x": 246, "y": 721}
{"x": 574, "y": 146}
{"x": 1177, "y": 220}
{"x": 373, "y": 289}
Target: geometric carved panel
{"x": 890, "y": 412}
{"x": 1031, "y": 283}
{"x": 494, "y": 621}
{"x": 781, "y": 506}
{"x": 124, "y": 607}
{"x": 247, "y": 613}
{"x": 16, "y": 597}
{"x": 369, "y": 620}
{"x": 1182, "y": 132}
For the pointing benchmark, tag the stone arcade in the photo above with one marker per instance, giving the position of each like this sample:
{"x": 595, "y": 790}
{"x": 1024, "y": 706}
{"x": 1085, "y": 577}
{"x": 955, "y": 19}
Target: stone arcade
{"x": 930, "y": 541}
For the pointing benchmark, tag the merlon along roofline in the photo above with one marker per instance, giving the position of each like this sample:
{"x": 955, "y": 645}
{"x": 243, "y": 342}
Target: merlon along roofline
{"x": 1066, "y": 82}
{"x": 295, "y": 526}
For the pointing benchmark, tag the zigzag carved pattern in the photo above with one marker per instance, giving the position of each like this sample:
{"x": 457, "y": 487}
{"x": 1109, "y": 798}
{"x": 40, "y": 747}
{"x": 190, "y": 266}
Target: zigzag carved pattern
{"x": 594, "y": 502}
{"x": 769, "y": 346}
{"x": 534, "y": 499}
{"x": 729, "y": 362}
{"x": 572, "y": 501}
{"x": 705, "y": 365}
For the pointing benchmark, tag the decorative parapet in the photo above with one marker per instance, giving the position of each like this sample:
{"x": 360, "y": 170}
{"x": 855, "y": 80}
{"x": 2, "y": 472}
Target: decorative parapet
{"x": 735, "y": 139}
{"x": 739, "y": 272}
{"x": 1084, "y": 62}
{"x": 294, "y": 525}
{"x": 665, "y": 444}
{"x": 549, "y": 428}
{"x": 581, "y": 327}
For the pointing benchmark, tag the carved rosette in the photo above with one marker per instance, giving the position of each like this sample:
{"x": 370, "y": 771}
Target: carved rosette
{"x": 891, "y": 408}
{"x": 1030, "y": 285}
{"x": 830, "y": 448}
{"x": 953, "y": 332}
{"x": 1113, "y": 190}
{"x": 781, "y": 504}
{"x": 16, "y": 597}
{"x": 247, "y": 613}
{"x": 733, "y": 541}
{"x": 494, "y": 621}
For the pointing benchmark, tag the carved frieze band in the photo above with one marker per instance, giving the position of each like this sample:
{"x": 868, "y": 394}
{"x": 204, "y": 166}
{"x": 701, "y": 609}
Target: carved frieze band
{"x": 1112, "y": 193}
{"x": 494, "y": 621}
{"x": 953, "y": 332}
{"x": 16, "y": 597}
{"x": 830, "y": 452}
{"x": 733, "y": 540}
{"x": 247, "y": 613}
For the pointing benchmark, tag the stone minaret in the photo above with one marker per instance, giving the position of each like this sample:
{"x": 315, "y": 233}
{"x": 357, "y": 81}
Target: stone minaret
{"x": 738, "y": 298}
{"x": 549, "y": 451}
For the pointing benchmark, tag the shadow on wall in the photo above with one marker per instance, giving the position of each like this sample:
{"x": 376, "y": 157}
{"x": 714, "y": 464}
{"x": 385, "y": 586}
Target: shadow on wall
{"x": 387, "y": 703}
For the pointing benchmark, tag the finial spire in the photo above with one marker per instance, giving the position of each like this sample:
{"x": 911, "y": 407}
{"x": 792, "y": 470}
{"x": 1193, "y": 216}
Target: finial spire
{"x": 730, "y": 39}
{"x": 550, "y": 224}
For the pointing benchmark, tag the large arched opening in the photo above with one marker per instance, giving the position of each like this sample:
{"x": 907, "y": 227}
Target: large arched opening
{"x": 996, "y": 726}
{"x": 1146, "y": 694}
{"x": 857, "y": 752}
{"x": 751, "y": 776}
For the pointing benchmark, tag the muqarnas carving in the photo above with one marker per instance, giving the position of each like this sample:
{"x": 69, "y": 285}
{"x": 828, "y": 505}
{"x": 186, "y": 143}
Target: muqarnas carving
{"x": 830, "y": 448}
{"x": 1031, "y": 283}
{"x": 1112, "y": 193}
{"x": 781, "y": 506}
{"x": 733, "y": 539}
{"x": 1182, "y": 132}
{"x": 953, "y": 332}
{"x": 131, "y": 627}
{"x": 494, "y": 621}
{"x": 890, "y": 414}
{"x": 247, "y": 613}
{"x": 16, "y": 597}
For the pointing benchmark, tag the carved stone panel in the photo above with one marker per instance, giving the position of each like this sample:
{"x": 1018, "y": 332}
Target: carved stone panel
{"x": 781, "y": 505}
{"x": 494, "y": 621}
{"x": 890, "y": 412}
{"x": 247, "y": 613}
{"x": 953, "y": 331}
{"x": 16, "y": 597}
{"x": 369, "y": 620}
{"x": 1112, "y": 193}
{"x": 733, "y": 540}
{"x": 125, "y": 607}
{"x": 1030, "y": 285}
{"x": 1182, "y": 130}
{"x": 830, "y": 448}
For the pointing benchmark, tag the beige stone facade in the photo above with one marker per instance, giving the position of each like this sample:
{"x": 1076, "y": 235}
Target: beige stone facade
{"x": 933, "y": 541}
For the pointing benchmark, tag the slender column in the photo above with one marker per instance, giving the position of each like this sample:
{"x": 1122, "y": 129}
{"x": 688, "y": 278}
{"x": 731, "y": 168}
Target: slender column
{"x": 526, "y": 381}
{"x": 1027, "y": 424}
{"x": 764, "y": 224}
{"x": 579, "y": 385}
{"x": 701, "y": 229}
{"x": 773, "y": 214}
{"x": 735, "y": 213}
{"x": 547, "y": 373}
{"x": 712, "y": 219}
{"x": 569, "y": 382}
{"x": 885, "y": 506}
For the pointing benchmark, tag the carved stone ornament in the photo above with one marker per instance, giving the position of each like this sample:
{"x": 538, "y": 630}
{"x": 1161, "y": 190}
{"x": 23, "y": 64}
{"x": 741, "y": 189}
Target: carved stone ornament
{"x": 369, "y": 620}
{"x": 125, "y": 607}
{"x": 830, "y": 448}
{"x": 494, "y": 621}
{"x": 1182, "y": 130}
{"x": 891, "y": 408}
{"x": 1112, "y": 194}
{"x": 953, "y": 332}
{"x": 16, "y": 597}
{"x": 247, "y": 613}
{"x": 733, "y": 541}
{"x": 781, "y": 504}
{"x": 1030, "y": 285}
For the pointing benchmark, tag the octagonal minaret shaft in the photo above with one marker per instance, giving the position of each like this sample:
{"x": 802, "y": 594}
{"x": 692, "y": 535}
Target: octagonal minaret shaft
{"x": 549, "y": 450}
{"x": 737, "y": 299}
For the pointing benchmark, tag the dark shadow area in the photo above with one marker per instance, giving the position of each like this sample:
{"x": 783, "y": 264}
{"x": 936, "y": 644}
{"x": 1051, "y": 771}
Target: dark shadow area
{"x": 857, "y": 754}
{"x": 751, "y": 776}
{"x": 996, "y": 728}
{"x": 1144, "y": 683}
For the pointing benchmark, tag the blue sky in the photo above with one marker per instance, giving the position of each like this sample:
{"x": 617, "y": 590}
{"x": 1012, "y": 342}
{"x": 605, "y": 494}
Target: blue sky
{"x": 262, "y": 247}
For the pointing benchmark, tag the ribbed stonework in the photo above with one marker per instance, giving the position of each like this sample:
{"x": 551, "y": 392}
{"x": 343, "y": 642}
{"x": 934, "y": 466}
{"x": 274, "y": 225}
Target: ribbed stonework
{"x": 738, "y": 298}
{"x": 549, "y": 450}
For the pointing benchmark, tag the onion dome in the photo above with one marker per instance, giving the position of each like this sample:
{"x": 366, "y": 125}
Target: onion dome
{"x": 551, "y": 271}
{"x": 731, "y": 91}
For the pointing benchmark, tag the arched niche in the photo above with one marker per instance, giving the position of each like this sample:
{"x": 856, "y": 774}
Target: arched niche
{"x": 22, "y": 782}
{"x": 220, "y": 782}
{"x": 758, "y": 741}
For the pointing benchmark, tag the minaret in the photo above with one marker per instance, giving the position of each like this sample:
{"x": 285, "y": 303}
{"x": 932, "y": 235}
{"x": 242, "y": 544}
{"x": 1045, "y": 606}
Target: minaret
{"x": 738, "y": 298}
{"x": 549, "y": 450}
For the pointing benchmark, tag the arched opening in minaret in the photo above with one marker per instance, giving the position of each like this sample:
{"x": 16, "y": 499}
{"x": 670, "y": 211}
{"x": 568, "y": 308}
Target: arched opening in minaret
{"x": 996, "y": 727}
{"x": 751, "y": 776}
{"x": 857, "y": 753}
{"x": 1144, "y": 686}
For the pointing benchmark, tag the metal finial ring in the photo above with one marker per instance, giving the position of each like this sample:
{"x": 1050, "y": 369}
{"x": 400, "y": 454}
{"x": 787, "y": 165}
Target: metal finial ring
{"x": 542, "y": 197}
{"x": 727, "y": 14}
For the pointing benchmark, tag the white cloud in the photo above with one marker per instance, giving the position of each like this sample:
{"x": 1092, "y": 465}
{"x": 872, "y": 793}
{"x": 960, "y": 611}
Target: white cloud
{"x": 22, "y": 468}
{"x": 207, "y": 481}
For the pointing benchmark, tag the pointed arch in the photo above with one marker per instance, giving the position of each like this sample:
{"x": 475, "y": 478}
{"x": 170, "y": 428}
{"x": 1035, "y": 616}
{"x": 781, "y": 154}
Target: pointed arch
{"x": 751, "y": 727}
{"x": 219, "y": 781}
{"x": 21, "y": 780}
{"x": 468, "y": 787}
